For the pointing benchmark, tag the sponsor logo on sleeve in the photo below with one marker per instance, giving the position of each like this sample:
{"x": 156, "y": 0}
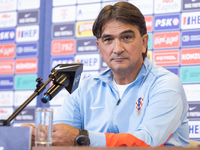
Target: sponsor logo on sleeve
{"x": 26, "y": 65}
{"x": 83, "y": 13}
{"x": 64, "y": 60}
{"x": 84, "y": 28}
{"x": 191, "y": 5}
{"x": 7, "y": 51}
{"x": 190, "y": 20}
{"x": 190, "y": 56}
{"x": 192, "y": 92}
{"x": 7, "y": 35}
{"x": 7, "y": 67}
{"x": 190, "y": 74}
{"x": 63, "y": 14}
{"x": 8, "y": 19}
{"x": 28, "y": 4}
{"x": 167, "y": 6}
{"x": 194, "y": 127}
{"x": 86, "y": 45}
{"x": 6, "y": 83}
{"x": 60, "y": 47}
{"x": 26, "y": 115}
{"x": 21, "y": 96}
{"x": 63, "y": 30}
{"x": 167, "y": 22}
{"x": 90, "y": 61}
{"x": 193, "y": 111}
{"x": 166, "y": 58}
{"x": 28, "y": 17}
{"x": 30, "y": 49}
{"x": 149, "y": 23}
{"x": 190, "y": 38}
{"x": 8, "y": 5}
{"x": 166, "y": 40}
{"x": 27, "y": 33}
{"x": 6, "y": 98}
{"x": 24, "y": 82}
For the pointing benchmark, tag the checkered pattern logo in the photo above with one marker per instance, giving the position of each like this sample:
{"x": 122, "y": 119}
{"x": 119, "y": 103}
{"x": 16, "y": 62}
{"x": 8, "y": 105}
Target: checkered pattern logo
{"x": 138, "y": 105}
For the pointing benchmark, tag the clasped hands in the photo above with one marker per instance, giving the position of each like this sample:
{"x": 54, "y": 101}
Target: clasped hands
{"x": 62, "y": 135}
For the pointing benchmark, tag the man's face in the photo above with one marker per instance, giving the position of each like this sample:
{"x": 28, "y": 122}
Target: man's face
{"x": 121, "y": 46}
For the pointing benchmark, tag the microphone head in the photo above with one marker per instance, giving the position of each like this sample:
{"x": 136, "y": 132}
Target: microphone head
{"x": 73, "y": 70}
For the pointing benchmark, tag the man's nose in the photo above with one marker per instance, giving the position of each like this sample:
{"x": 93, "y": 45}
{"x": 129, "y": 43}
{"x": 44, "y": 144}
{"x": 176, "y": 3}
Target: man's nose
{"x": 118, "y": 46}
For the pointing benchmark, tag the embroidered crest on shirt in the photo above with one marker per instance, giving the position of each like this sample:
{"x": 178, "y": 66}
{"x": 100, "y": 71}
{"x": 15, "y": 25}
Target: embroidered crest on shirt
{"x": 138, "y": 105}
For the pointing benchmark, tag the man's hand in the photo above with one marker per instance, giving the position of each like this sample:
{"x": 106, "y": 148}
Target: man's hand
{"x": 33, "y": 132}
{"x": 64, "y": 135}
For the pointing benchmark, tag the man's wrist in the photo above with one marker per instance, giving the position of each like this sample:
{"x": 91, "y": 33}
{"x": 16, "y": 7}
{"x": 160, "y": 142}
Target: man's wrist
{"x": 82, "y": 139}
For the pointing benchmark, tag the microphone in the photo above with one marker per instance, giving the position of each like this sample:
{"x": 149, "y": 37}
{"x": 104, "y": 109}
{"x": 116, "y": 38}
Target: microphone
{"x": 63, "y": 76}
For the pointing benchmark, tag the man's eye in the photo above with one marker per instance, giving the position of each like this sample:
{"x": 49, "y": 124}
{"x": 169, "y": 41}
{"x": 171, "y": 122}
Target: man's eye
{"x": 127, "y": 37}
{"x": 107, "y": 40}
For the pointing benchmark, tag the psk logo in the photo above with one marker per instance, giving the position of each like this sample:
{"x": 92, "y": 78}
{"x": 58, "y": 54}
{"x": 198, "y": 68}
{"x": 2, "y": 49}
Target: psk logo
{"x": 138, "y": 105}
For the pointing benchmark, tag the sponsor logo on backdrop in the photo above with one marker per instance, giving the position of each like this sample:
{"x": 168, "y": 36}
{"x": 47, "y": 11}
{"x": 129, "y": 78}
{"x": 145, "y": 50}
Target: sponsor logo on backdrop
{"x": 27, "y": 33}
{"x": 190, "y": 56}
{"x": 90, "y": 61}
{"x": 30, "y": 49}
{"x": 63, "y": 30}
{"x": 6, "y": 83}
{"x": 194, "y": 127}
{"x": 64, "y": 14}
{"x": 64, "y": 60}
{"x": 192, "y": 92}
{"x": 61, "y": 2}
{"x": 83, "y": 13}
{"x": 27, "y": 114}
{"x": 191, "y": 4}
{"x": 174, "y": 70}
{"x": 103, "y": 64}
{"x": 6, "y": 98}
{"x": 86, "y": 45}
{"x": 149, "y": 55}
{"x": 190, "y": 74}
{"x": 145, "y": 6}
{"x": 8, "y": 5}
{"x": 28, "y": 17}
{"x": 84, "y": 28}
{"x": 150, "y": 41}
{"x": 7, "y": 51}
{"x": 7, "y": 35}
{"x": 190, "y": 38}
{"x": 190, "y": 20}
{"x": 167, "y": 6}
{"x": 21, "y": 96}
{"x": 23, "y": 82}
{"x": 149, "y": 23}
{"x": 166, "y": 40}
{"x": 26, "y": 65}
{"x": 8, "y": 19}
{"x": 62, "y": 47}
{"x": 166, "y": 58}
{"x": 28, "y": 4}
{"x": 6, "y": 67}
{"x": 167, "y": 22}
{"x": 5, "y": 113}
{"x": 193, "y": 111}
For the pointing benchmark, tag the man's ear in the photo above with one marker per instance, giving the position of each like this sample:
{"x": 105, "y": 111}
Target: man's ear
{"x": 145, "y": 39}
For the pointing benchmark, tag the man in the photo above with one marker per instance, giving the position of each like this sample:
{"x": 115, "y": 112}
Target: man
{"x": 133, "y": 102}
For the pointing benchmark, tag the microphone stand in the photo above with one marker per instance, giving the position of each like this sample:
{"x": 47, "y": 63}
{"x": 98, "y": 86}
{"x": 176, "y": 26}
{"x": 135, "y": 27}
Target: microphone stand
{"x": 39, "y": 89}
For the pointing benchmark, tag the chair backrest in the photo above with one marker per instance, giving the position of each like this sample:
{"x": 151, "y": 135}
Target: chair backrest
{"x": 194, "y": 143}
